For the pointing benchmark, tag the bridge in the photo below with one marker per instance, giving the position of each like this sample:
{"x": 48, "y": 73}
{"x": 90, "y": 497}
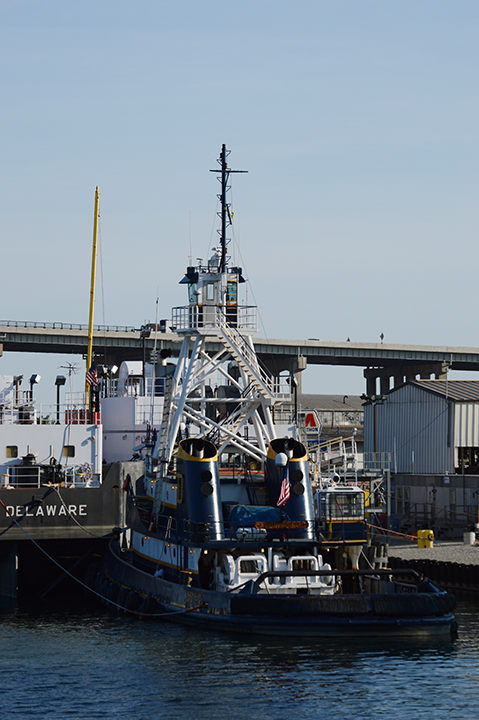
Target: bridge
{"x": 384, "y": 363}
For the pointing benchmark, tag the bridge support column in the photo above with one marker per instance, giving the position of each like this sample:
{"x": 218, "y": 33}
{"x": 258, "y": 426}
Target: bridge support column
{"x": 371, "y": 376}
{"x": 410, "y": 373}
{"x": 384, "y": 384}
{"x": 441, "y": 372}
{"x": 297, "y": 366}
{"x": 401, "y": 372}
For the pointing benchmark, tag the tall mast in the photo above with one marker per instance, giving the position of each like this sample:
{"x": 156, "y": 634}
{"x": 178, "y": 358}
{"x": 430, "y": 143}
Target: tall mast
{"x": 224, "y": 214}
{"x": 96, "y": 215}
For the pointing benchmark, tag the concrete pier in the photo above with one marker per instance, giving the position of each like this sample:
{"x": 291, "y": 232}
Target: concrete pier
{"x": 453, "y": 565}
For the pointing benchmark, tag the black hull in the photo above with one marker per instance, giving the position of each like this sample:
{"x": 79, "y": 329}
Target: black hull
{"x": 282, "y": 615}
{"x": 63, "y": 513}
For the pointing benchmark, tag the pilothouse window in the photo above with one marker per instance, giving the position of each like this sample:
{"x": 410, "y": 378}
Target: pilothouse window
{"x": 193, "y": 292}
{"x": 231, "y": 292}
{"x": 346, "y": 505}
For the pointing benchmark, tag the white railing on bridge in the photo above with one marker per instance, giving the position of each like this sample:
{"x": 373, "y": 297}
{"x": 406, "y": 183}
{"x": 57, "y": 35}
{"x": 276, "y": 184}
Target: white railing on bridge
{"x": 66, "y": 326}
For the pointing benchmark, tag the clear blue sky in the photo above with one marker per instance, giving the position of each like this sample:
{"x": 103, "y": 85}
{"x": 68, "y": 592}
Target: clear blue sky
{"x": 356, "y": 119}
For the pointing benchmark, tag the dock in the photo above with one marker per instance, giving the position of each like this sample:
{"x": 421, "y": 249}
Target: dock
{"x": 453, "y": 565}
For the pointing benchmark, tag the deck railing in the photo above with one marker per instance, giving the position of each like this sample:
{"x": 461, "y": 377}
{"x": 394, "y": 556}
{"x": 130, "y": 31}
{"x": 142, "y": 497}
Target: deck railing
{"x": 31, "y": 413}
{"x": 207, "y": 317}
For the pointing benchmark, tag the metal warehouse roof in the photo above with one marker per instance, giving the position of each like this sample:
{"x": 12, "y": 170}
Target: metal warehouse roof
{"x": 457, "y": 390}
{"x": 338, "y": 403}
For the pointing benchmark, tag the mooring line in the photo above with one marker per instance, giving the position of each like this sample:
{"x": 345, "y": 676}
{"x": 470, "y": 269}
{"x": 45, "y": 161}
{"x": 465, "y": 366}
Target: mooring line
{"x": 82, "y": 527}
{"x": 80, "y": 582}
{"x": 413, "y": 538}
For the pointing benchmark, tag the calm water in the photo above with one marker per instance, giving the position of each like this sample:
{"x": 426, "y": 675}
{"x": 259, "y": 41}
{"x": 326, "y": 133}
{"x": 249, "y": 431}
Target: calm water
{"x": 90, "y": 664}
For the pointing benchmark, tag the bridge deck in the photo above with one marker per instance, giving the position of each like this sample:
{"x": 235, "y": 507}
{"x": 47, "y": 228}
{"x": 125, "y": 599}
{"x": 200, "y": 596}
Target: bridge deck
{"x": 127, "y": 344}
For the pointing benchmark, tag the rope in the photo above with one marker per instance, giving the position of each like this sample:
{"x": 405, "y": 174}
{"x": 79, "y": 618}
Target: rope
{"x": 82, "y": 527}
{"x": 137, "y": 612}
{"x": 392, "y": 532}
{"x": 66, "y": 572}
{"x": 41, "y": 549}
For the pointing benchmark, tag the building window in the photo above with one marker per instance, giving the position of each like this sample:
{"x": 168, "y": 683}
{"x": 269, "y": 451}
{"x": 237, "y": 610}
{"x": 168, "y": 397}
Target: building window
{"x": 11, "y": 451}
{"x": 68, "y": 451}
{"x": 468, "y": 460}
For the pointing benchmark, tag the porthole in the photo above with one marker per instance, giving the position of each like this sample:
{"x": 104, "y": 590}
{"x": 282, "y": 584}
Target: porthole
{"x": 206, "y": 489}
{"x": 296, "y": 476}
{"x": 206, "y": 476}
{"x": 298, "y": 488}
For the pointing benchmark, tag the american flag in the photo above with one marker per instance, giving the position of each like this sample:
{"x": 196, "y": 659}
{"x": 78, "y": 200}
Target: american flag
{"x": 284, "y": 494}
{"x": 92, "y": 376}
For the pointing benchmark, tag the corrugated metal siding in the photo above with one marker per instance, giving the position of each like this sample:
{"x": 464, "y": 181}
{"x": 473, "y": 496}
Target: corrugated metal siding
{"x": 415, "y": 424}
{"x": 466, "y": 424}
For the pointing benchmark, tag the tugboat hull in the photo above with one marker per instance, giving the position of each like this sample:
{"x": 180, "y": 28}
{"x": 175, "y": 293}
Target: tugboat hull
{"x": 381, "y": 615}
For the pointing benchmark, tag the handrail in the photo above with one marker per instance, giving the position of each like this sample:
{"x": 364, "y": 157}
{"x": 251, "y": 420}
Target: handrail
{"x": 66, "y": 326}
{"x": 322, "y": 573}
{"x": 420, "y": 513}
{"x": 249, "y": 354}
{"x": 335, "y": 441}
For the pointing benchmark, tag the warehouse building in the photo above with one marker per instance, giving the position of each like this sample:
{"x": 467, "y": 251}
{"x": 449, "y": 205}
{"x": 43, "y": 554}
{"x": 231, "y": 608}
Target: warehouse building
{"x": 430, "y": 428}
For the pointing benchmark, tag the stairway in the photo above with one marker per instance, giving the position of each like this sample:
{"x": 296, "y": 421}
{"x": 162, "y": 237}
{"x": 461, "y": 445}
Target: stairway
{"x": 247, "y": 360}
{"x": 256, "y": 488}
{"x": 165, "y": 419}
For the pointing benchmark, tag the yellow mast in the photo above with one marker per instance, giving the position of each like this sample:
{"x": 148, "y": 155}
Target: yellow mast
{"x": 96, "y": 215}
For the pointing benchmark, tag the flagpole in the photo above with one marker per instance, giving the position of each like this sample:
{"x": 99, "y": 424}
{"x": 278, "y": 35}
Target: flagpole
{"x": 281, "y": 462}
{"x": 96, "y": 215}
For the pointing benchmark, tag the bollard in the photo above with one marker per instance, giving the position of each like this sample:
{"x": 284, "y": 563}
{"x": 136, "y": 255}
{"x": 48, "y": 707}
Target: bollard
{"x": 425, "y": 538}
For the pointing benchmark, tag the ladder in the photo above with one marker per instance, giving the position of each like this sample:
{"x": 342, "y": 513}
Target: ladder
{"x": 165, "y": 419}
{"x": 163, "y": 442}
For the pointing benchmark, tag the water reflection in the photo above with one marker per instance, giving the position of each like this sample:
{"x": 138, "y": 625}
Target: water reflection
{"x": 89, "y": 664}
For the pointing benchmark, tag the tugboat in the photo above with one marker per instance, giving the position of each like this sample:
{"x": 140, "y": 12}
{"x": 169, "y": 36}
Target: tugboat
{"x": 225, "y": 529}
